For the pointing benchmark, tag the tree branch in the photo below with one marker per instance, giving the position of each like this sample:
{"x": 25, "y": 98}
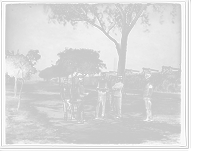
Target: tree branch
{"x": 130, "y": 15}
{"x": 111, "y": 28}
{"x": 101, "y": 28}
{"x": 137, "y": 17}
{"x": 119, "y": 9}
{"x": 99, "y": 21}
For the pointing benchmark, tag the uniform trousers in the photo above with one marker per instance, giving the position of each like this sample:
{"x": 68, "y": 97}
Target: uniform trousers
{"x": 101, "y": 100}
{"x": 71, "y": 107}
{"x": 80, "y": 111}
{"x": 148, "y": 104}
{"x": 118, "y": 106}
{"x": 111, "y": 101}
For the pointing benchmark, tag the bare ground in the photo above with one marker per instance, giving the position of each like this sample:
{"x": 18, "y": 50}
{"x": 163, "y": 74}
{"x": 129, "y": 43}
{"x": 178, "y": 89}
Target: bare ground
{"x": 40, "y": 120}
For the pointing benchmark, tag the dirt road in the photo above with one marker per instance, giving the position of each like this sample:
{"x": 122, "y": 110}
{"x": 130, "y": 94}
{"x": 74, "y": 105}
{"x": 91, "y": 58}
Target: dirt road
{"x": 131, "y": 130}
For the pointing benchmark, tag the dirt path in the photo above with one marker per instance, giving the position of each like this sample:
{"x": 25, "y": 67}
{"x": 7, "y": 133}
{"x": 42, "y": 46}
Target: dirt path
{"x": 129, "y": 131}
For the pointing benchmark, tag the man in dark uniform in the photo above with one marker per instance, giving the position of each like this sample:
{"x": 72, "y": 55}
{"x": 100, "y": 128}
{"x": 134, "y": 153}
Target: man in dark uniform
{"x": 101, "y": 103}
{"x": 67, "y": 96}
{"x": 80, "y": 95}
{"x": 148, "y": 90}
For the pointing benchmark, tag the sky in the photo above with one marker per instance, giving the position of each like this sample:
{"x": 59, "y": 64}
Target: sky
{"x": 27, "y": 28}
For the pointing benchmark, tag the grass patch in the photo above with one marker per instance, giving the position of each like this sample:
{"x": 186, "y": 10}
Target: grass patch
{"x": 27, "y": 126}
{"x": 30, "y": 127}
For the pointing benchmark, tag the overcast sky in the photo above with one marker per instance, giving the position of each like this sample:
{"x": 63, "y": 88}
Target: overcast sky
{"x": 27, "y": 28}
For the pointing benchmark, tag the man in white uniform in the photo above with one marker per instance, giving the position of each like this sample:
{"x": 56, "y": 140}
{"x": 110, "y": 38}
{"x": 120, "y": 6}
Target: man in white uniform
{"x": 117, "y": 87}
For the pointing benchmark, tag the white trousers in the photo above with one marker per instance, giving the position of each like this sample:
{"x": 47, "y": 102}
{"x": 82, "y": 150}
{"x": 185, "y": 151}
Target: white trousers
{"x": 118, "y": 105}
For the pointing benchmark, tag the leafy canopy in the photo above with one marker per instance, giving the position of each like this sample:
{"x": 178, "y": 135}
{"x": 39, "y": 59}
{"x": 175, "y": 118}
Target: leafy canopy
{"x": 50, "y": 72}
{"x": 21, "y": 66}
{"x": 80, "y": 61}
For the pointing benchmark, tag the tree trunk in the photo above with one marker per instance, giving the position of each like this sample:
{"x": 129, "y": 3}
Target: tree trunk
{"x": 15, "y": 88}
{"x": 122, "y": 59}
{"x": 20, "y": 94}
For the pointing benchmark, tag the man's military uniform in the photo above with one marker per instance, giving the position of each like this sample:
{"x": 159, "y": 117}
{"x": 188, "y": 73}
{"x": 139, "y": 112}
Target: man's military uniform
{"x": 117, "y": 96}
{"x": 102, "y": 88}
{"x": 80, "y": 95}
{"x": 110, "y": 94}
{"x": 67, "y": 96}
{"x": 147, "y": 96}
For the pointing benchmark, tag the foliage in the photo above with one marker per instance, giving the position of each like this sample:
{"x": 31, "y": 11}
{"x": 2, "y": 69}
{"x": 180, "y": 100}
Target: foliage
{"x": 47, "y": 73}
{"x": 113, "y": 19}
{"x": 80, "y": 61}
{"x": 118, "y": 18}
{"x": 20, "y": 65}
{"x": 59, "y": 70}
{"x": 110, "y": 19}
{"x": 74, "y": 61}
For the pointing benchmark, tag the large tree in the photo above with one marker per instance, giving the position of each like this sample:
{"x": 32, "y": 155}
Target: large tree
{"x": 50, "y": 72}
{"x": 79, "y": 62}
{"x": 21, "y": 67}
{"x": 59, "y": 70}
{"x": 110, "y": 19}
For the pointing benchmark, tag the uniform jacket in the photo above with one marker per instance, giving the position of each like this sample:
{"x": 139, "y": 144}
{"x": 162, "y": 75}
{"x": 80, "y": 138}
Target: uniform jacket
{"x": 118, "y": 89}
{"x": 110, "y": 84}
{"x": 147, "y": 85}
{"x": 66, "y": 91}
{"x": 102, "y": 86}
{"x": 80, "y": 91}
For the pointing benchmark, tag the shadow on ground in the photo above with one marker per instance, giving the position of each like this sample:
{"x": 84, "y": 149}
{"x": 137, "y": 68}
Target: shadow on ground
{"x": 169, "y": 119}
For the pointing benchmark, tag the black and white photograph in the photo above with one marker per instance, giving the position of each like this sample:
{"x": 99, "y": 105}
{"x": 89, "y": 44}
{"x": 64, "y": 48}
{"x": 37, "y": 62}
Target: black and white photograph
{"x": 95, "y": 75}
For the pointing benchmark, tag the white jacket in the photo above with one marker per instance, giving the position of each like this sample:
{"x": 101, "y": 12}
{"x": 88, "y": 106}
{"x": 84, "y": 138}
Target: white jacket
{"x": 118, "y": 89}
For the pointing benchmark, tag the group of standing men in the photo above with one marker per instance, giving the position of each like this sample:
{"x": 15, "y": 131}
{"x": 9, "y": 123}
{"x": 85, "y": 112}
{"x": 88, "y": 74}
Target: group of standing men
{"x": 109, "y": 94}
{"x": 73, "y": 95}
